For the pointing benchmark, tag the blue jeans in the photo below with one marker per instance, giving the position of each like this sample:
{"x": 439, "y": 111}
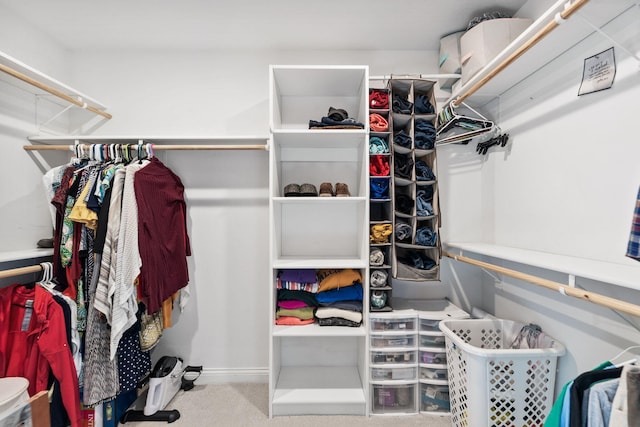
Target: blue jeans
{"x": 423, "y": 105}
{"x": 423, "y": 206}
{"x": 425, "y": 134}
{"x": 424, "y": 172}
{"x": 425, "y": 236}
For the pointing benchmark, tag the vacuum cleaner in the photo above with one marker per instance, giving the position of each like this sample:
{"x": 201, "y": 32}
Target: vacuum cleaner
{"x": 165, "y": 380}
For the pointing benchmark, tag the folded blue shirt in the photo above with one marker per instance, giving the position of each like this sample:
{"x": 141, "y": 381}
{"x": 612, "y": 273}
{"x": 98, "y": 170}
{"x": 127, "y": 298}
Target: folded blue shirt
{"x": 353, "y": 292}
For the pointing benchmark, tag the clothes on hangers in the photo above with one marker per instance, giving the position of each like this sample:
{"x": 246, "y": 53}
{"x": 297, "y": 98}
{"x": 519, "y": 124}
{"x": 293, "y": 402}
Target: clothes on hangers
{"x": 98, "y": 254}
{"x": 599, "y": 398}
{"x": 633, "y": 248}
{"x": 33, "y": 343}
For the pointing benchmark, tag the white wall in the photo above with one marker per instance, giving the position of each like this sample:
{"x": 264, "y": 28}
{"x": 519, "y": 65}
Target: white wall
{"x": 23, "y": 207}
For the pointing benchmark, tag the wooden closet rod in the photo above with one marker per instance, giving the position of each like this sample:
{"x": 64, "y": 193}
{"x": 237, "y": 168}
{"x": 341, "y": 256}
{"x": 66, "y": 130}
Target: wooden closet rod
{"x": 570, "y": 10}
{"x": 20, "y": 271}
{"x": 605, "y": 301}
{"x": 53, "y": 91}
{"x": 155, "y": 147}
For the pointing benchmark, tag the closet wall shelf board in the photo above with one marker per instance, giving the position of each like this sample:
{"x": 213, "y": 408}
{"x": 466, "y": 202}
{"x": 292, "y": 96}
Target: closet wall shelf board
{"x": 616, "y": 274}
{"x": 539, "y": 44}
{"x": 318, "y": 263}
{"x": 38, "y": 82}
{"x": 315, "y": 330}
{"x": 10, "y": 256}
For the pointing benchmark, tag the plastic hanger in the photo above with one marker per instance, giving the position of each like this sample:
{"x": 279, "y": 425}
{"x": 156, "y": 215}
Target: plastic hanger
{"x": 633, "y": 347}
{"x": 47, "y": 276}
{"x": 457, "y": 128}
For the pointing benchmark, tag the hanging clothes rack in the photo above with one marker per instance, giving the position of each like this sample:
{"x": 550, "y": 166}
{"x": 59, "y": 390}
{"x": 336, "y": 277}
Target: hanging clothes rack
{"x": 612, "y": 303}
{"x": 156, "y": 147}
{"x": 13, "y": 272}
{"x": 79, "y": 101}
{"x": 185, "y": 143}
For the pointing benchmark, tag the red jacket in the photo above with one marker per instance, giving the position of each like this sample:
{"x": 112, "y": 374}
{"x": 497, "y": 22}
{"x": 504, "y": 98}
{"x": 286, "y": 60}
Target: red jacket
{"x": 34, "y": 350}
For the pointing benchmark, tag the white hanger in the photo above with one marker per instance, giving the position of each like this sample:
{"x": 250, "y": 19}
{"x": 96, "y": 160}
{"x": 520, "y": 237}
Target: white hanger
{"x": 623, "y": 352}
{"x": 47, "y": 276}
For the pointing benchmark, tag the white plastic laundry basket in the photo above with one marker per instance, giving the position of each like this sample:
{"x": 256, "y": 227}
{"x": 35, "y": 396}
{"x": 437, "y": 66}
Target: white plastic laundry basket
{"x": 492, "y": 385}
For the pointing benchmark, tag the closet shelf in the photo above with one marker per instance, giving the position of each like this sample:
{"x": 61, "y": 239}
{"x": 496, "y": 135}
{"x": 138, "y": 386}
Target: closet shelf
{"x": 539, "y": 44}
{"x": 10, "y": 256}
{"x": 37, "y": 82}
{"x": 318, "y": 263}
{"x": 303, "y": 390}
{"x": 616, "y": 274}
{"x": 315, "y": 330}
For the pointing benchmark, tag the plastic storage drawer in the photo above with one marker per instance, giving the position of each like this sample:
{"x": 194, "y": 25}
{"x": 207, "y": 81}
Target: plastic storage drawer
{"x": 433, "y": 355}
{"x": 394, "y": 356}
{"x": 386, "y": 373}
{"x": 433, "y": 372}
{"x": 394, "y": 398}
{"x": 434, "y": 398}
{"x": 429, "y": 325}
{"x": 380, "y": 323}
{"x": 395, "y": 340}
{"x": 432, "y": 339}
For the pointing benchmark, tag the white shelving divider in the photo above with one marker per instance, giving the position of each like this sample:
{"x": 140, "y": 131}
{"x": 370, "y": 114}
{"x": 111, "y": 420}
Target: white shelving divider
{"x": 318, "y": 369}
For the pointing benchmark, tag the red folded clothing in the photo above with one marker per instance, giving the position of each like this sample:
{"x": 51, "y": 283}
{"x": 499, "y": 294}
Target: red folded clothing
{"x": 379, "y": 99}
{"x": 379, "y": 166}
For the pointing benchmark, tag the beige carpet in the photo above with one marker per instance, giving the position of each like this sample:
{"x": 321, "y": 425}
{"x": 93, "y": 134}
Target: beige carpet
{"x": 247, "y": 405}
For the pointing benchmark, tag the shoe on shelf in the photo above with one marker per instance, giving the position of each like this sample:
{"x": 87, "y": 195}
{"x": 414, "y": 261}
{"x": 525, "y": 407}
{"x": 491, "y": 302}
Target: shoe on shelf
{"x": 326, "y": 190}
{"x": 292, "y": 190}
{"x": 342, "y": 190}
{"x": 308, "y": 190}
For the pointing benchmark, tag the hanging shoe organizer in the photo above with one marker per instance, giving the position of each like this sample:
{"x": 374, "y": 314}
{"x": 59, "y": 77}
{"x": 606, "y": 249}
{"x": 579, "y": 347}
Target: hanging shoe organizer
{"x": 416, "y": 250}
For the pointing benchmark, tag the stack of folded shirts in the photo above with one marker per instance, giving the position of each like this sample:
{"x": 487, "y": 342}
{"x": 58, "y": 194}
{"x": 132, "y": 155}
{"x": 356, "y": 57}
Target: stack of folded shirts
{"x": 298, "y": 280}
{"x": 295, "y": 307}
{"x": 339, "y": 298}
{"x": 296, "y": 299}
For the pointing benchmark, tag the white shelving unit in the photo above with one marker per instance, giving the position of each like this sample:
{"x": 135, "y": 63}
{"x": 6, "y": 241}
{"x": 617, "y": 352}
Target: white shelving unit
{"x": 318, "y": 369}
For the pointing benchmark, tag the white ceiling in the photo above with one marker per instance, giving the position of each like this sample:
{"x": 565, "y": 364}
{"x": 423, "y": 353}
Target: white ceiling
{"x": 247, "y": 24}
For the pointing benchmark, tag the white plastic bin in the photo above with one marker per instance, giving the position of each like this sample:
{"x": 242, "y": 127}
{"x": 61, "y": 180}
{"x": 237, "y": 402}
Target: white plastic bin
{"x": 491, "y": 384}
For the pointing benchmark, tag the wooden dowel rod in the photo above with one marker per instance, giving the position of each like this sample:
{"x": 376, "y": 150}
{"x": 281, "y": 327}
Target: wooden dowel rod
{"x": 592, "y": 297}
{"x": 19, "y": 271}
{"x": 156, "y": 147}
{"x": 520, "y": 51}
{"x": 51, "y": 90}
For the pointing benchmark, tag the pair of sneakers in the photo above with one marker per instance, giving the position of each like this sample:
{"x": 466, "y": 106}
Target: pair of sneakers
{"x": 342, "y": 190}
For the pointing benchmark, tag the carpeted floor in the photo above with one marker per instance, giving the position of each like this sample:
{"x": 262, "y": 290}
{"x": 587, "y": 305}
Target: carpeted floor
{"x": 247, "y": 405}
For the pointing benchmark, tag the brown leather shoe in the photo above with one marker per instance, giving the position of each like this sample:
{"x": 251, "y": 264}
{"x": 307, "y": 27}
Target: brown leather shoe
{"x": 326, "y": 190}
{"x": 342, "y": 190}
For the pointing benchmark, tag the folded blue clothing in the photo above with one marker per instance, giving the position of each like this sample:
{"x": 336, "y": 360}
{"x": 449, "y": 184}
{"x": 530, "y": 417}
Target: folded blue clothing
{"x": 353, "y": 292}
{"x": 352, "y": 305}
{"x": 379, "y": 188}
